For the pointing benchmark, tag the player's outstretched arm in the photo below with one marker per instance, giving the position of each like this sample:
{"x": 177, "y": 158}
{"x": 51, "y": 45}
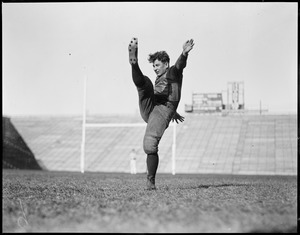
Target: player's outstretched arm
{"x": 181, "y": 61}
{"x": 187, "y": 47}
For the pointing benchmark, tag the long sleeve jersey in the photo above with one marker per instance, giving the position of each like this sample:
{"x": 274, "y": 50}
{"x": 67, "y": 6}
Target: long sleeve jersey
{"x": 168, "y": 86}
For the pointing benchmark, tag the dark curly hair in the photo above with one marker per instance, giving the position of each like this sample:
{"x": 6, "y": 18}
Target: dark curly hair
{"x": 160, "y": 55}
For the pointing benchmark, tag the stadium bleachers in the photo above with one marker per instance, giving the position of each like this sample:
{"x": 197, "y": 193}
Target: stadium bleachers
{"x": 233, "y": 144}
{"x": 15, "y": 152}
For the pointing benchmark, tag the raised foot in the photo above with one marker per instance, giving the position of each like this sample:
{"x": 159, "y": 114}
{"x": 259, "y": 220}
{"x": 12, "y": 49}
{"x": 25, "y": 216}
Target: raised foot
{"x": 132, "y": 49}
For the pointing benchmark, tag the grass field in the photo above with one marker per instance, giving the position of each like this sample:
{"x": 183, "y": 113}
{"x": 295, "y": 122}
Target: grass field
{"x": 37, "y": 201}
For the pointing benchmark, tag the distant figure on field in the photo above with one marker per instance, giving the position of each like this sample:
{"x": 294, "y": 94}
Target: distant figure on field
{"x": 158, "y": 104}
{"x": 132, "y": 161}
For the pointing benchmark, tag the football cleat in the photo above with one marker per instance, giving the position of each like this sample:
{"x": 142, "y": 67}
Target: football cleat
{"x": 132, "y": 49}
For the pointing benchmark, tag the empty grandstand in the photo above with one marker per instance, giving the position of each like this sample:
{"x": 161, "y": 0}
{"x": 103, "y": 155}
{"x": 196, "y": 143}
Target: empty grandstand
{"x": 233, "y": 144}
{"x": 16, "y": 154}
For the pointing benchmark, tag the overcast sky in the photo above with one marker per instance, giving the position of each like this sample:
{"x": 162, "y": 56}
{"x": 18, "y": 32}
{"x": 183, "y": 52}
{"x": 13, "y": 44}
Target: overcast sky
{"x": 48, "y": 48}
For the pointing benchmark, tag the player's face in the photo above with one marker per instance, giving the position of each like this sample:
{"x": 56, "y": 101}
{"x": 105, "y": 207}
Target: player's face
{"x": 160, "y": 67}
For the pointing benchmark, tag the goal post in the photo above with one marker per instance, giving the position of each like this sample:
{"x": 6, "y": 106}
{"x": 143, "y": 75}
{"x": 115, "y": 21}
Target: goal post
{"x": 86, "y": 125}
{"x": 83, "y": 125}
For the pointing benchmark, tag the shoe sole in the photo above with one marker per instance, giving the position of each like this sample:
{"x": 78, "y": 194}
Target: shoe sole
{"x": 132, "y": 48}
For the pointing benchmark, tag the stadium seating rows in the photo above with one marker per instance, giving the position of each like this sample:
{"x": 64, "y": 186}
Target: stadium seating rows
{"x": 233, "y": 144}
{"x": 15, "y": 152}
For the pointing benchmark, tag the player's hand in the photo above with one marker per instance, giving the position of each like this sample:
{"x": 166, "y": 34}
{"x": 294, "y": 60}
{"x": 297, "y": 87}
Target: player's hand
{"x": 187, "y": 46}
{"x": 177, "y": 117}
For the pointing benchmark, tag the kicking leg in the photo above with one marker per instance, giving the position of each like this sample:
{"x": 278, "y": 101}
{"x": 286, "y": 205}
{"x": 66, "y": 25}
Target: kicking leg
{"x": 143, "y": 83}
{"x": 137, "y": 75}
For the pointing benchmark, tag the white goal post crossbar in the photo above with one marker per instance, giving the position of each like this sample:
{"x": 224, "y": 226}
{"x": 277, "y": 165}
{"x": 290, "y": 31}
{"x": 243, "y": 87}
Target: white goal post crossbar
{"x": 105, "y": 125}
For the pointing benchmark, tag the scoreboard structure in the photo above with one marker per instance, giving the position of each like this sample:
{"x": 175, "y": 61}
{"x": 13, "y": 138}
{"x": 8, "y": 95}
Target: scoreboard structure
{"x": 205, "y": 103}
{"x": 213, "y": 102}
{"x": 235, "y": 95}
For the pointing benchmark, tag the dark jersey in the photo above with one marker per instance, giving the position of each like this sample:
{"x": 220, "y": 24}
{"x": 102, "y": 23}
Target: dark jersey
{"x": 168, "y": 86}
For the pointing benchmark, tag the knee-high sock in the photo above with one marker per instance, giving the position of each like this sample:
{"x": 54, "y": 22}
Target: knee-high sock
{"x": 152, "y": 164}
{"x": 137, "y": 75}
